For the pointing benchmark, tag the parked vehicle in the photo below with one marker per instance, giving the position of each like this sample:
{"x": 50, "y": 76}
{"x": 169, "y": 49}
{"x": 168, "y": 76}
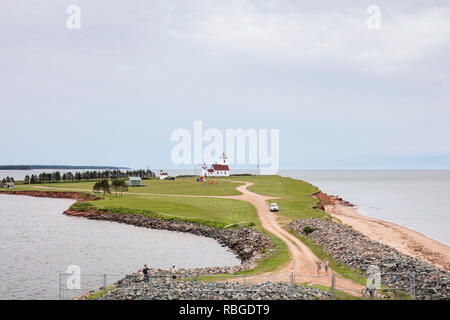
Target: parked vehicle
{"x": 273, "y": 207}
{"x": 170, "y": 178}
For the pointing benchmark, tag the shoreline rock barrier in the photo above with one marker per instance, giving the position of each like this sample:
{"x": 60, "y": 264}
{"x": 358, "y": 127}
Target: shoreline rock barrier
{"x": 133, "y": 287}
{"x": 80, "y": 196}
{"x": 357, "y": 251}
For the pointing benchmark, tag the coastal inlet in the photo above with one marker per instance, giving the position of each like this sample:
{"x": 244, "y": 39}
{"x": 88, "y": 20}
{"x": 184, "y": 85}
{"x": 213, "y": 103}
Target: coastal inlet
{"x": 36, "y": 236}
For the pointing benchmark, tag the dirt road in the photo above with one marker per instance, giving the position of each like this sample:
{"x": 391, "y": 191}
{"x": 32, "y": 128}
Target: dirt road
{"x": 303, "y": 261}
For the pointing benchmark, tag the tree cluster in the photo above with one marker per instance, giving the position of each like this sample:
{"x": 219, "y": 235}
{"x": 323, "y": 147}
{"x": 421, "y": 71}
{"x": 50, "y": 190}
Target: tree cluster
{"x": 118, "y": 185}
{"x": 88, "y": 175}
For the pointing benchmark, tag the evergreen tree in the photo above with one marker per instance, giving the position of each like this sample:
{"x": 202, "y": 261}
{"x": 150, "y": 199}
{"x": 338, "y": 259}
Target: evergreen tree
{"x": 105, "y": 186}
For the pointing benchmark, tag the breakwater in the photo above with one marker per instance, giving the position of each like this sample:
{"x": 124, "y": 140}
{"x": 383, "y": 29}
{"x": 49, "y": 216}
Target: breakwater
{"x": 161, "y": 287}
{"x": 356, "y": 250}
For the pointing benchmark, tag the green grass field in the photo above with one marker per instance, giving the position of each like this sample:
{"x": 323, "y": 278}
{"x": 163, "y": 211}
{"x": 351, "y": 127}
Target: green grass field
{"x": 208, "y": 211}
{"x": 181, "y": 186}
{"x": 296, "y": 202}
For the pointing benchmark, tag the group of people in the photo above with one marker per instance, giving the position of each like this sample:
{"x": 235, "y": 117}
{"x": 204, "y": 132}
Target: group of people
{"x": 173, "y": 272}
{"x": 325, "y": 264}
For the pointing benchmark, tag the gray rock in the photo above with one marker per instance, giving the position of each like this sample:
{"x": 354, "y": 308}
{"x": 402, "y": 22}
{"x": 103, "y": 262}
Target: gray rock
{"x": 194, "y": 290}
{"x": 359, "y": 252}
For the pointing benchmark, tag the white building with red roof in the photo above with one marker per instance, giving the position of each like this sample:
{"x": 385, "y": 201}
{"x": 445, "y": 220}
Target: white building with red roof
{"x": 220, "y": 169}
{"x": 163, "y": 175}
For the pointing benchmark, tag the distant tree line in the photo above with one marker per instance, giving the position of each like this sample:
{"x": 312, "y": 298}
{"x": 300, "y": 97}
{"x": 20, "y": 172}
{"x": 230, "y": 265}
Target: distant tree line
{"x": 31, "y": 167}
{"x": 88, "y": 176}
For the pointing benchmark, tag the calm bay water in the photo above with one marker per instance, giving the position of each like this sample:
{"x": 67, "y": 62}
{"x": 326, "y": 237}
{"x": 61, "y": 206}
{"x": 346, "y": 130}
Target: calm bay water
{"x": 38, "y": 242}
{"x": 419, "y": 200}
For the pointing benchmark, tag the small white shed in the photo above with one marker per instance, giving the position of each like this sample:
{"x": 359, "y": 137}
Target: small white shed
{"x": 134, "y": 181}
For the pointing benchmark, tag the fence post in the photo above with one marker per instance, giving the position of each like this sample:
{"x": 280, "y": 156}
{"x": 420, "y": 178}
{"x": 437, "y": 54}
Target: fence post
{"x": 244, "y": 282}
{"x": 60, "y": 289}
{"x": 292, "y": 285}
{"x": 333, "y": 286}
{"x": 413, "y": 285}
{"x": 104, "y": 282}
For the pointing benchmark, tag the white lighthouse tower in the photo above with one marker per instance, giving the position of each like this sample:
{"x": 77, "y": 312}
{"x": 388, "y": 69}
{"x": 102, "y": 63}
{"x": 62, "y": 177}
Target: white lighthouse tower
{"x": 223, "y": 159}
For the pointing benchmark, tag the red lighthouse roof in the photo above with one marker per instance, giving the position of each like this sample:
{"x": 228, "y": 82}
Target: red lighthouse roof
{"x": 219, "y": 167}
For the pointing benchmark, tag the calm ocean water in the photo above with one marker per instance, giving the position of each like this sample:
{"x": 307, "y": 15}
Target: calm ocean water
{"x": 38, "y": 242}
{"x": 419, "y": 200}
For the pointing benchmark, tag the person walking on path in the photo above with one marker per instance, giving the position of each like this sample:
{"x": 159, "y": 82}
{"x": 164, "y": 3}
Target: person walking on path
{"x": 319, "y": 266}
{"x": 174, "y": 272}
{"x": 145, "y": 271}
{"x": 325, "y": 264}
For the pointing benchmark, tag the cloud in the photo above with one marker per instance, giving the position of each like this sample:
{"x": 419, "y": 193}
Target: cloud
{"x": 313, "y": 70}
{"x": 322, "y": 37}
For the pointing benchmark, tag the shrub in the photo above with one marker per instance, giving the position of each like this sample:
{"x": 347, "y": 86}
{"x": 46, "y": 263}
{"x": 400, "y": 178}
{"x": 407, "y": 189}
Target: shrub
{"x": 82, "y": 206}
{"x": 307, "y": 230}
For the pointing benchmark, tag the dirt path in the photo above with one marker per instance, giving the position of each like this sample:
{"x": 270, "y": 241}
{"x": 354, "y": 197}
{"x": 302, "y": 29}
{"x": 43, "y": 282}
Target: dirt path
{"x": 405, "y": 240}
{"x": 303, "y": 260}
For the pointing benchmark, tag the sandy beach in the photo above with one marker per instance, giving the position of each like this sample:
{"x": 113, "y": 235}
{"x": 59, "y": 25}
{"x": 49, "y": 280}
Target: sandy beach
{"x": 403, "y": 239}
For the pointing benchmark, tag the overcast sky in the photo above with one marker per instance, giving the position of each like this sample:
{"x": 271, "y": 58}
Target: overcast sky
{"x": 343, "y": 96}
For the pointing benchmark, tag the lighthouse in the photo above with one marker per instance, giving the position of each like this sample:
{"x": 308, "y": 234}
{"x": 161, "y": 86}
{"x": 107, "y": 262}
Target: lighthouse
{"x": 219, "y": 169}
{"x": 223, "y": 159}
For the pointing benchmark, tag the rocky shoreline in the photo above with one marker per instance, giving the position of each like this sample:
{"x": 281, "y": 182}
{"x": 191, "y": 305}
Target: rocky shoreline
{"x": 326, "y": 200}
{"x": 247, "y": 244}
{"x": 358, "y": 251}
{"x": 161, "y": 287}
{"x": 80, "y": 196}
